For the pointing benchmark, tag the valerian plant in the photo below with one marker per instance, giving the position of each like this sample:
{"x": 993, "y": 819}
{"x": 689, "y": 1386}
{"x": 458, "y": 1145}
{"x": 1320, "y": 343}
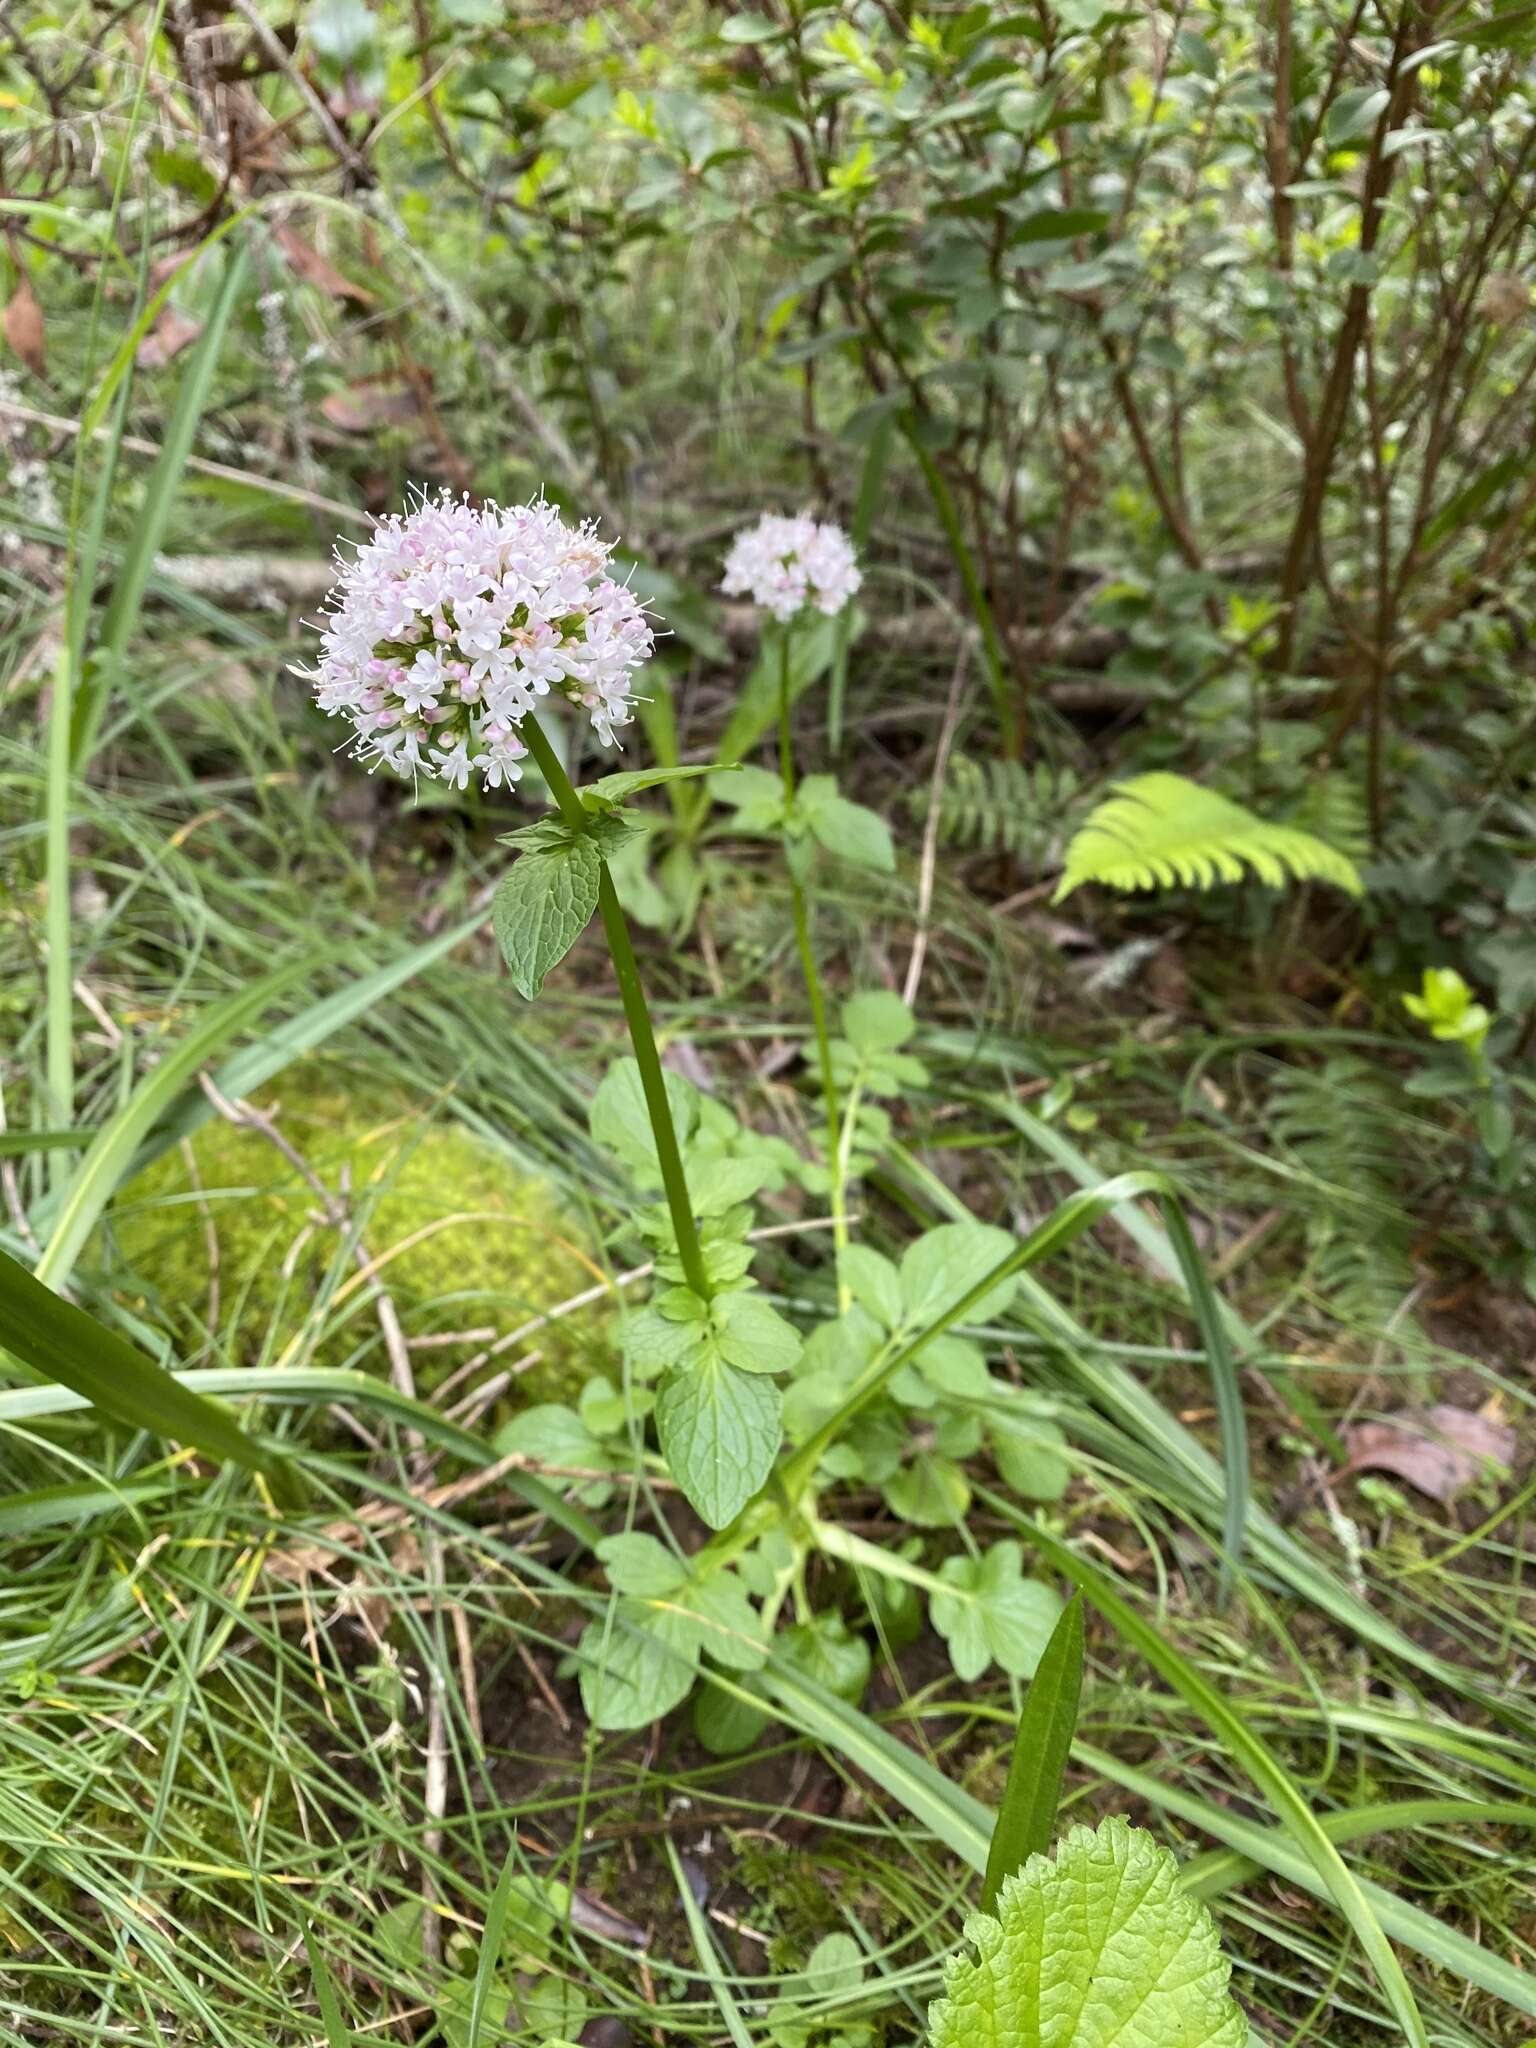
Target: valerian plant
{"x": 450, "y": 632}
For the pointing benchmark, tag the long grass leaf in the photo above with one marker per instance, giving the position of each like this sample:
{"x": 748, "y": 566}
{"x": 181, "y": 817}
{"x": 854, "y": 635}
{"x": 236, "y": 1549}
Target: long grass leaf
{"x": 1206, "y": 1306}
{"x": 53, "y": 1337}
{"x": 708, "y": 1954}
{"x": 337, "y": 2033}
{"x": 958, "y": 1820}
{"x": 358, "y": 1390}
{"x": 1026, "y": 1819}
{"x": 106, "y": 1164}
{"x": 264, "y": 1058}
{"x": 490, "y": 1948}
{"x": 123, "y": 608}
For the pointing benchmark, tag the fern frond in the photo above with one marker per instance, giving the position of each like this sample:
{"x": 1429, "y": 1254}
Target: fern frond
{"x": 1162, "y": 831}
{"x": 996, "y": 806}
{"x": 1332, "y": 806}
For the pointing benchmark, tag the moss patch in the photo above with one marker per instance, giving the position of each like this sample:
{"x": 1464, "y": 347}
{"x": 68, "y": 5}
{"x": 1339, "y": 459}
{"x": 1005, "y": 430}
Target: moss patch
{"x": 466, "y": 1242}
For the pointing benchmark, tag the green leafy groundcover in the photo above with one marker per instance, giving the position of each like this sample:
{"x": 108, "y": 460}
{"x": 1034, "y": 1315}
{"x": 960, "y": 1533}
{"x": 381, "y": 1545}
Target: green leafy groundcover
{"x": 1094, "y": 1945}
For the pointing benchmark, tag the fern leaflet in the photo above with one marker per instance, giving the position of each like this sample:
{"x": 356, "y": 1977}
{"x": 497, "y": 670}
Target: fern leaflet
{"x": 1161, "y": 831}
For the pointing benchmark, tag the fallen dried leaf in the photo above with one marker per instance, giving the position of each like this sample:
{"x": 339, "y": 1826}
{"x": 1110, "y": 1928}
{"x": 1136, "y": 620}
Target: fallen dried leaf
{"x": 23, "y": 324}
{"x": 171, "y": 333}
{"x": 318, "y": 270}
{"x": 376, "y": 402}
{"x": 1441, "y": 1450}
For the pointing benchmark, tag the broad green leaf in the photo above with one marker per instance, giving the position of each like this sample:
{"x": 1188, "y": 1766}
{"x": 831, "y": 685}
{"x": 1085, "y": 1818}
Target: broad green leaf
{"x": 1024, "y": 1447}
{"x": 1026, "y": 1819}
{"x": 615, "y": 789}
{"x": 724, "y": 1724}
{"x": 955, "y": 1368}
{"x": 551, "y": 1434}
{"x": 993, "y": 1613}
{"x": 341, "y": 31}
{"x": 851, "y": 831}
{"x": 719, "y": 1433}
{"x": 877, "y": 1021}
{"x": 541, "y": 908}
{"x": 1355, "y": 113}
{"x": 620, "y": 1120}
{"x": 873, "y": 1281}
{"x": 1097, "y": 1946}
{"x": 755, "y": 795}
{"x": 1052, "y": 224}
{"x": 824, "y": 1651}
{"x": 636, "y": 1563}
{"x": 834, "y": 1967}
{"x": 653, "y": 1341}
{"x": 730, "y": 1630}
{"x": 945, "y": 1264}
{"x": 752, "y": 1335}
{"x": 639, "y": 1668}
{"x": 930, "y": 1493}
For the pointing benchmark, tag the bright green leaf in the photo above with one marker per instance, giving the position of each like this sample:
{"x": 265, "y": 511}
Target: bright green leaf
{"x": 542, "y": 907}
{"x": 719, "y": 1432}
{"x": 1097, "y": 1946}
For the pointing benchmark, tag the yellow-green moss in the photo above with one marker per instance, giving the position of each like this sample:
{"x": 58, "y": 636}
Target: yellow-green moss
{"x": 467, "y": 1241}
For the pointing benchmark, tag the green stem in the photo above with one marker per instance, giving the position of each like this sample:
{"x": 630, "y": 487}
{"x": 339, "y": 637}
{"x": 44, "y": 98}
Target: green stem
{"x": 834, "y": 1541}
{"x": 636, "y": 1015}
{"x": 802, "y": 918}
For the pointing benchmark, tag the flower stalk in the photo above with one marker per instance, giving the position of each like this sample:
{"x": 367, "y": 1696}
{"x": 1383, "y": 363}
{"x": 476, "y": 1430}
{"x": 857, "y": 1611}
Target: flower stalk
{"x": 636, "y": 1015}
{"x": 802, "y": 918}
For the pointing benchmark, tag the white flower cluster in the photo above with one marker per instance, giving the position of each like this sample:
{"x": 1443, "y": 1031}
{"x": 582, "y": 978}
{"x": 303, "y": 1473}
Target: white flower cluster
{"x": 445, "y": 629}
{"x": 786, "y": 564}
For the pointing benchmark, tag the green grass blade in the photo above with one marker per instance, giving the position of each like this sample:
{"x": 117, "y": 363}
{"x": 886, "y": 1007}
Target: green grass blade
{"x": 1155, "y": 1244}
{"x": 996, "y": 659}
{"x": 359, "y": 1390}
{"x": 73, "y": 1504}
{"x": 1206, "y": 1305}
{"x": 337, "y": 2033}
{"x": 127, "y": 349}
{"x": 17, "y": 1144}
{"x": 965, "y": 1826}
{"x": 708, "y": 1954}
{"x": 1334, "y": 1875}
{"x": 59, "y": 982}
{"x": 1026, "y": 1820}
{"x": 490, "y": 1948}
{"x": 106, "y": 1164}
{"x": 1218, "y": 1870}
{"x": 51, "y": 1336}
{"x": 122, "y": 615}
{"x": 261, "y": 1061}
{"x": 959, "y": 1821}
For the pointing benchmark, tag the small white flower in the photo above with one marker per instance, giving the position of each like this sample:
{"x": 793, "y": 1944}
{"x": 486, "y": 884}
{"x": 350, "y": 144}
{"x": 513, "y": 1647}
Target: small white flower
{"x": 445, "y": 629}
{"x": 786, "y": 564}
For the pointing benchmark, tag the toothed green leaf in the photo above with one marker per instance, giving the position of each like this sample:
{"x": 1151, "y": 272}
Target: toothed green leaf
{"x": 1096, "y": 1945}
